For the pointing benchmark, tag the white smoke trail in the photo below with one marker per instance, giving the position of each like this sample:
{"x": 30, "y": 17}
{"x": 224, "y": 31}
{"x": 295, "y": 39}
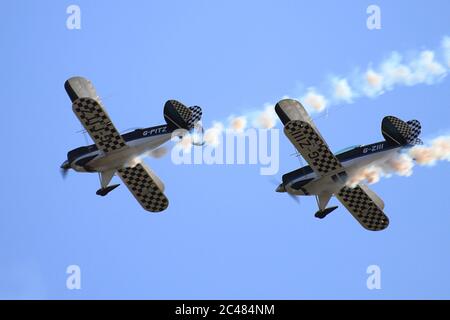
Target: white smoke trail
{"x": 211, "y": 135}
{"x": 425, "y": 67}
{"x": 238, "y": 124}
{"x": 402, "y": 164}
{"x": 372, "y": 83}
{"x": 267, "y": 118}
{"x": 342, "y": 90}
{"x": 313, "y": 101}
{"x": 439, "y": 150}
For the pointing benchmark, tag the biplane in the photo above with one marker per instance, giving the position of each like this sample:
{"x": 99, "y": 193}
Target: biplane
{"x": 327, "y": 174}
{"x": 114, "y": 154}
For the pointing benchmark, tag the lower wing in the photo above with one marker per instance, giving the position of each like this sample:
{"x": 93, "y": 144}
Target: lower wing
{"x": 365, "y": 206}
{"x": 145, "y": 187}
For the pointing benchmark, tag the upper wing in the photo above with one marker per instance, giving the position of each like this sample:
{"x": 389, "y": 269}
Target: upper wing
{"x": 145, "y": 186}
{"x": 301, "y": 131}
{"x": 312, "y": 147}
{"x": 79, "y": 87}
{"x": 365, "y": 206}
{"x": 290, "y": 109}
{"x": 97, "y": 123}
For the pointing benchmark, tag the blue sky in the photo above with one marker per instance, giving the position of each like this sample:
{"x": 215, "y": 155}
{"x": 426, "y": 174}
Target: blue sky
{"x": 226, "y": 233}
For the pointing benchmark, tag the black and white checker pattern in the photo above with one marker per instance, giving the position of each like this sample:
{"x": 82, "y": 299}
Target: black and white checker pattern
{"x": 312, "y": 147}
{"x": 98, "y": 125}
{"x": 182, "y": 110}
{"x": 416, "y": 129}
{"x": 416, "y": 142}
{"x": 402, "y": 127}
{"x": 196, "y": 116}
{"x": 363, "y": 208}
{"x": 144, "y": 189}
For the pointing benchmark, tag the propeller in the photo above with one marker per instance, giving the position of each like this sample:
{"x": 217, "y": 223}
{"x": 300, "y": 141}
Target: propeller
{"x": 64, "y": 169}
{"x": 281, "y": 187}
{"x": 64, "y": 172}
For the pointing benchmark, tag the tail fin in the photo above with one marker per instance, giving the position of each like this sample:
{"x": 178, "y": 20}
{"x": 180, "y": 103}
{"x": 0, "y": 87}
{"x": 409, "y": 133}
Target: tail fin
{"x": 177, "y": 115}
{"x": 401, "y": 132}
{"x": 395, "y": 130}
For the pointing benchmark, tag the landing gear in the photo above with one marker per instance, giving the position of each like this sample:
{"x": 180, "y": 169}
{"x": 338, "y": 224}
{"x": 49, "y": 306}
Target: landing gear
{"x": 105, "y": 178}
{"x": 322, "y": 202}
{"x": 104, "y": 191}
{"x": 323, "y": 213}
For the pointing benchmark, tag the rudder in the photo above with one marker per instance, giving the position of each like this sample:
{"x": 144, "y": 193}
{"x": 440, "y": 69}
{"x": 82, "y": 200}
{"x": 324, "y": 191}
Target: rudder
{"x": 177, "y": 115}
{"x": 395, "y": 130}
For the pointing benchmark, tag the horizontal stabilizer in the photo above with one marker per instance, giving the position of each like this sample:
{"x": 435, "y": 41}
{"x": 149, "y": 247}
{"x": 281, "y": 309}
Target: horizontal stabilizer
{"x": 416, "y": 129}
{"x": 416, "y": 142}
{"x": 196, "y": 116}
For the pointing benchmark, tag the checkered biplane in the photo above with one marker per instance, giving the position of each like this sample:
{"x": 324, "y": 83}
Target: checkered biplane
{"x": 115, "y": 154}
{"x": 327, "y": 174}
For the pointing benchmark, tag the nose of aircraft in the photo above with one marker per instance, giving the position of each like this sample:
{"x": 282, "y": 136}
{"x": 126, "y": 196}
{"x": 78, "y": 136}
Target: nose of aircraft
{"x": 280, "y": 188}
{"x": 65, "y": 165}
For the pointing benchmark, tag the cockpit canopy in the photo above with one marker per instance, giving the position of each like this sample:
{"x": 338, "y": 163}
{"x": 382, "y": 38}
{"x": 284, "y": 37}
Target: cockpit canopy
{"x": 348, "y": 149}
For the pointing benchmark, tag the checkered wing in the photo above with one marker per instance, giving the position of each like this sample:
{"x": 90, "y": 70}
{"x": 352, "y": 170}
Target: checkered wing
{"x": 312, "y": 147}
{"x": 97, "y": 123}
{"x": 146, "y": 188}
{"x": 363, "y": 208}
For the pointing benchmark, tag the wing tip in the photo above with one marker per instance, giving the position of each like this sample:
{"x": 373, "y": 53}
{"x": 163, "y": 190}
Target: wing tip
{"x": 159, "y": 209}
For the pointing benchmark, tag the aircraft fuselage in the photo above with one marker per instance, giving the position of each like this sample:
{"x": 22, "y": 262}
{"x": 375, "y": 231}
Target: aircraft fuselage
{"x": 305, "y": 181}
{"x": 139, "y": 141}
